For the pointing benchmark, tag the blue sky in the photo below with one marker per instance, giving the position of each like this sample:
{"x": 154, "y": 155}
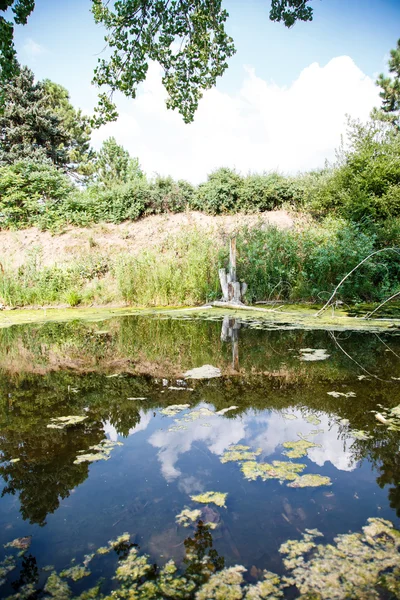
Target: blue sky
{"x": 275, "y": 74}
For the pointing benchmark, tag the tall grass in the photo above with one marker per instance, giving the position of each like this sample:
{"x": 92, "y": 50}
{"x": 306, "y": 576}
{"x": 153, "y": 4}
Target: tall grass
{"x": 291, "y": 265}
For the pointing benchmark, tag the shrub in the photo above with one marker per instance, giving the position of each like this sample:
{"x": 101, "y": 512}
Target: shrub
{"x": 266, "y": 192}
{"x": 168, "y": 195}
{"x": 221, "y": 193}
{"x": 31, "y": 191}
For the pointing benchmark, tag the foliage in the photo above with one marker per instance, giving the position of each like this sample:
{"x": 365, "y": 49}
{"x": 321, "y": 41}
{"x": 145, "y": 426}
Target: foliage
{"x": 364, "y": 183}
{"x": 30, "y": 192}
{"x": 220, "y": 193}
{"x": 29, "y": 129}
{"x": 115, "y": 166}
{"x": 390, "y": 91}
{"x": 75, "y": 124}
{"x": 9, "y": 67}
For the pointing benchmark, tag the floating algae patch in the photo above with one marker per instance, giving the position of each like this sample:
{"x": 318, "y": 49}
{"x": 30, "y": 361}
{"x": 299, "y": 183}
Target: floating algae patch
{"x": 186, "y": 517}
{"x": 359, "y": 434}
{"x": 174, "y": 409}
{"x": 217, "y": 498}
{"x": 313, "y": 354}
{"x": 204, "y": 372}
{"x": 389, "y": 417}
{"x": 312, "y": 419}
{"x": 62, "y": 422}
{"x": 299, "y": 448}
{"x": 193, "y": 415}
{"x": 21, "y": 543}
{"x": 342, "y": 394}
{"x": 310, "y": 480}
{"x": 113, "y": 544}
{"x": 289, "y": 416}
{"x": 356, "y": 566}
{"x": 239, "y": 453}
{"x": 177, "y": 427}
{"x": 76, "y": 572}
{"x": 101, "y": 451}
{"x": 226, "y": 585}
{"x": 282, "y": 470}
{"x": 7, "y": 565}
{"x": 57, "y": 588}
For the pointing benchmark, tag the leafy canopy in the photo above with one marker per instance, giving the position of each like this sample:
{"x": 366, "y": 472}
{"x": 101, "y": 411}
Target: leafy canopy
{"x": 114, "y": 165}
{"x": 186, "y": 37}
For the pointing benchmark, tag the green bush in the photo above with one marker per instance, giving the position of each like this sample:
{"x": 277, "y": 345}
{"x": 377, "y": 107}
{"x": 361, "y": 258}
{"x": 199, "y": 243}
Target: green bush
{"x": 364, "y": 183}
{"x": 31, "y": 191}
{"x": 221, "y": 192}
{"x": 268, "y": 191}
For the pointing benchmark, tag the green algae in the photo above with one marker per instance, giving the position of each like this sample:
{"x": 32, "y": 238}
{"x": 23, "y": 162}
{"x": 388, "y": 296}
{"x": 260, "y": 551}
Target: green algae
{"x": 62, "y": 422}
{"x": 101, "y": 451}
{"x": 225, "y": 585}
{"x": 239, "y": 453}
{"x": 310, "y": 480}
{"x": 21, "y": 543}
{"x": 359, "y": 434}
{"x": 312, "y": 419}
{"x": 342, "y": 394}
{"x": 282, "y": 470}
{"x": 76, "y": 572}
{"x": 269, "y": 588}
{"x": 356, "y": 565}
{"x": 174, "y": 409}
{"x": 289, "y": 416}
{"x": 353, "y": 567}
{"x": 57, "y": 588}
{"x": 389, "y": 417}
{"x": 298, "y": 448}
{"x": 217, "y": 498}
{"x": 187, "y": 517}
{"x": 7, "y": 565}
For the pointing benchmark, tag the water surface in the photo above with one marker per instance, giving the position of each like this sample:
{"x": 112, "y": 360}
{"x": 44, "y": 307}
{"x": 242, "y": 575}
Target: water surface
{"x": 280, "y": 385}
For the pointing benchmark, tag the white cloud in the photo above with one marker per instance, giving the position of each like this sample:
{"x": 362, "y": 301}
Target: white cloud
{"x": 32, "y": 49}
{"x": 261, "y": 127}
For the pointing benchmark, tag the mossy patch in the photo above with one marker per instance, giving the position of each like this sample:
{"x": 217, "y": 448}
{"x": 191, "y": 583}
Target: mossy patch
{"x": 217, "y": 498}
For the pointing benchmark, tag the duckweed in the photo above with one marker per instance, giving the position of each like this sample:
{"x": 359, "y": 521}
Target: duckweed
{"x": 217, "y": 498}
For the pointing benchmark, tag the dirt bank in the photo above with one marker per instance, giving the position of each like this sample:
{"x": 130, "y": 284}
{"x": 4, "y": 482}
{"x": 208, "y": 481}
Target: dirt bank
{"x": 133, "y": 237}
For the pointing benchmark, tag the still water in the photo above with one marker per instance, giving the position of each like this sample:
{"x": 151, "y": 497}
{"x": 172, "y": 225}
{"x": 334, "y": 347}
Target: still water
{"x": 285, "y": 434}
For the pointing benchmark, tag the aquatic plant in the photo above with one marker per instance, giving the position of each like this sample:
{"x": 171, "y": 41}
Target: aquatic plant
{"x": 174, "y": 409}
{"x": 389, "y": 417}
{"x": 310, "y": 480}
{"x": 7, "y": 565}
{"x": 224, "y": 585}
{"x": 282, "y": 470}
{"x": 359, "y": 434}
{"x": 353, "y": 567}
{"x": 217, "y": 498}
{"x": 289, "y": 416}
{"x": 298, "y": 448}
{"x": 186, "y": 517}
{"x": 269, "y": 588}
{"x": 239, "y": 453}
{"x": 312, "y": 419}
{"x": 62, "y": 422}
{"x": 76, "y": 572}
{"x": 101, "y": 451}
{"x": 342, "y": 394}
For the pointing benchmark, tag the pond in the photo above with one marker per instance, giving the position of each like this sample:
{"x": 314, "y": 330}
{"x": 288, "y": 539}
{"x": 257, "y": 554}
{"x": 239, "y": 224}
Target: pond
{"x": 128, "y": 471}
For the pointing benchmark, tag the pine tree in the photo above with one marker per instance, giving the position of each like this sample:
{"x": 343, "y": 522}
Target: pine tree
{"x": 390, "y": 94}
{"x": 29, "y": 129}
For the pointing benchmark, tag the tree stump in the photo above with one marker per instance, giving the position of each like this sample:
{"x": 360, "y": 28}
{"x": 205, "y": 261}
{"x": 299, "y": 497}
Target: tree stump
{"x": 232, "y": 290}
